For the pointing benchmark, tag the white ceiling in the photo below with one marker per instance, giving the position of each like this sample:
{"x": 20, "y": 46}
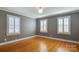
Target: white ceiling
{"x": 33, "y": 13}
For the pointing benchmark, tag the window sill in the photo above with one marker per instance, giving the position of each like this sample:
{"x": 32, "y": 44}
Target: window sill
{"x": 43, "y": 32}
{"x": 12, "y": 34}
{"x": 64, "y": 33}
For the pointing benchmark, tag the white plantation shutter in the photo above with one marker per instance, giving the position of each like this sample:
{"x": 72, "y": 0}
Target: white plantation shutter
{"x": 60, "y": 25}
{"x": 43, "y": 25}
{"x": 17, "y": 24}
{"x": 13, "y": 24}
{"x": 64, "y": 24}
{"x": 67, "y": 24}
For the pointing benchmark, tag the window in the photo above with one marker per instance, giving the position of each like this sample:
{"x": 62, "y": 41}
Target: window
{"x": 43, "y": 25}
{"x": 64, "y": 25}
{"x": 13, "y": 25}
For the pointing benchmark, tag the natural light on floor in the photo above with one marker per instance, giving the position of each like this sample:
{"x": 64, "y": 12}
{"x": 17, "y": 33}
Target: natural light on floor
{"x": 43, "y": 47}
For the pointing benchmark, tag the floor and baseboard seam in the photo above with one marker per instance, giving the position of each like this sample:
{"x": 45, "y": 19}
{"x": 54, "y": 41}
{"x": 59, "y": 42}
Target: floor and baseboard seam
{"x": 8, "y": 42}
{"x": 16, "y": 40}
{"x": 58, "y": 39}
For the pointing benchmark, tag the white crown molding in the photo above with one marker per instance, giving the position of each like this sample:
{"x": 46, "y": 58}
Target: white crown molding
{"x": 36, "y": 15}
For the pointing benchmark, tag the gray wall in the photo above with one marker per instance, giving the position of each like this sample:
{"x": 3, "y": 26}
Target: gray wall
{"x": 52, "y": 27}
{"x": 31, "y": 27}
{"x": 28, "y": 27}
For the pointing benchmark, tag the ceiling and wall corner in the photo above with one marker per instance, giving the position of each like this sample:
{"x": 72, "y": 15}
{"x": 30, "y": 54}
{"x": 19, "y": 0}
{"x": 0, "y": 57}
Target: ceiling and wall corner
{"x": 33, "y": 12}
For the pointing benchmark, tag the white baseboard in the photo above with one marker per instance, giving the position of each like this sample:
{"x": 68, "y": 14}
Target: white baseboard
{"x": 4, "y": 43}
{"x": 58, "y": 39}
{"x": 8, "y": 42}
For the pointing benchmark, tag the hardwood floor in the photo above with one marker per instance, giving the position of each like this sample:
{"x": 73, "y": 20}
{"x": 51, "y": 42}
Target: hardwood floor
{"x": 38, "y": 44}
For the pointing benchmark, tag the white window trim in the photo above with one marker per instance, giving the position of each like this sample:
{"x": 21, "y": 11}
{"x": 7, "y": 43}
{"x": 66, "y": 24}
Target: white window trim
{"x": 46, "y": 26}
{"x": 67, "y": 33}
{"x": 9, "y": 34}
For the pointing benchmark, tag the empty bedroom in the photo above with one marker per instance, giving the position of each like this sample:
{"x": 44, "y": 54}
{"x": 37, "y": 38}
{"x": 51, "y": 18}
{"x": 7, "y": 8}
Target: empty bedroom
{"x": 39, "y": 29}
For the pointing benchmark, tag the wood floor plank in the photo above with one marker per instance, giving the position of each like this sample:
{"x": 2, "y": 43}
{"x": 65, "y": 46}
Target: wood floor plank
{"x": 37, "y": 44}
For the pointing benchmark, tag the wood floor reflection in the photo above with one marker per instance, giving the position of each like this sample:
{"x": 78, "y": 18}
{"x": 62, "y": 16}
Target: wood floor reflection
{"x": 39, "y": 44}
